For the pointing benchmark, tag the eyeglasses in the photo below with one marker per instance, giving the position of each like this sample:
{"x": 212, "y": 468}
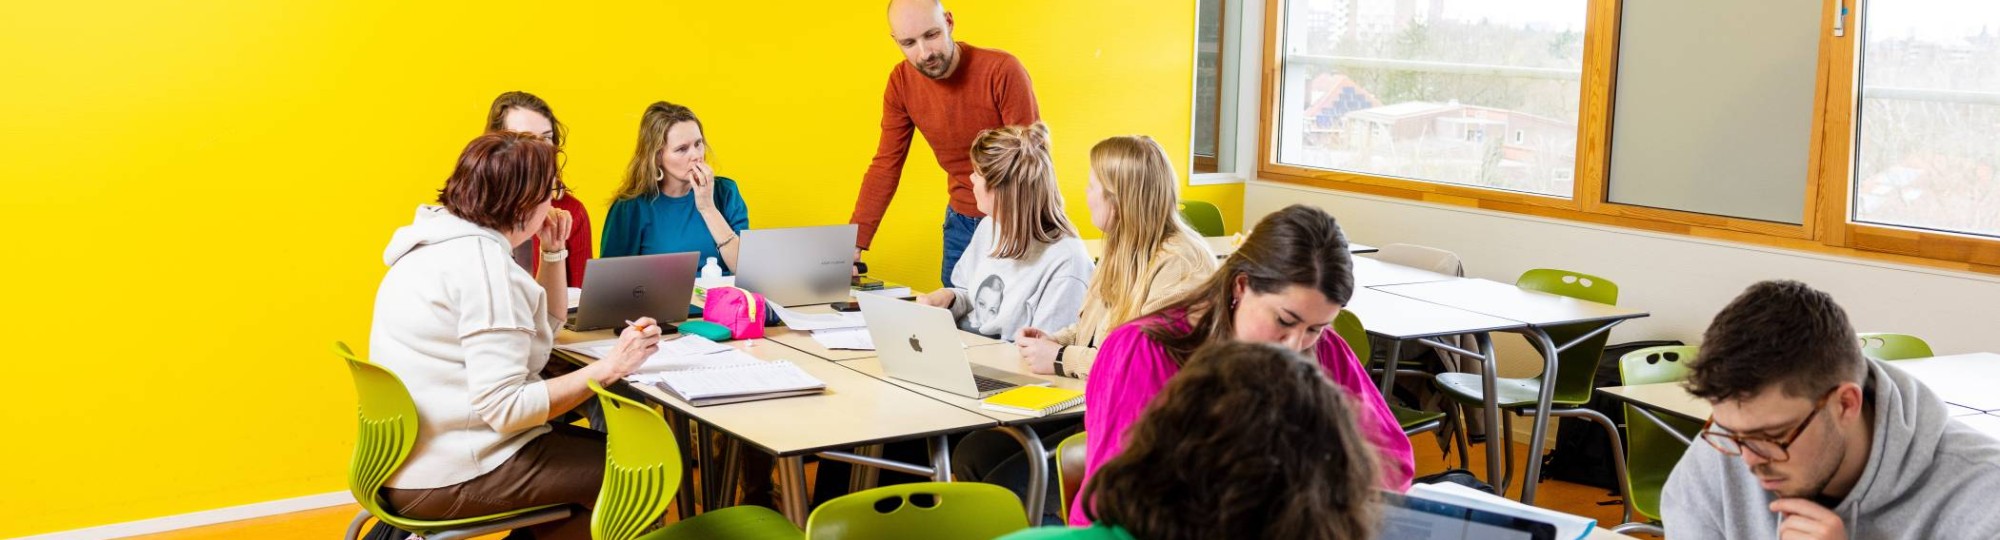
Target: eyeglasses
{"x": 1777, "y": 450}
{"x": 557, "y": 191}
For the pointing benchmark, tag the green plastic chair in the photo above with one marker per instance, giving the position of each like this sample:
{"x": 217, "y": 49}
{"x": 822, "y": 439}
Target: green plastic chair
{"x": 1576, "y": 369}
{"x": 1203, "y": 216}
{"x": 1413, "y": 421}
{"x": 1892, "y": 347}
{"x": 642, "y": 473}
{"x": 1651, "y": 452}
{"x": 387, "y": 432}
{"x": 921, "y": 511}
{"x": 1071, "y": 460}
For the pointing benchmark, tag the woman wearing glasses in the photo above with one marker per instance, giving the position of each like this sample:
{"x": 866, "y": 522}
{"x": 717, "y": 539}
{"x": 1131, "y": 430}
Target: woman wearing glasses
{"x": 528, "y": 113}
{"x": 671, "y": 200}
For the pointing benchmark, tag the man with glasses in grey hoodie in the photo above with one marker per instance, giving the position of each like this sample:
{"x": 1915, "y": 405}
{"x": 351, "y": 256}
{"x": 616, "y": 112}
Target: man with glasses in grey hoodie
{"x": 1809, "y": 440}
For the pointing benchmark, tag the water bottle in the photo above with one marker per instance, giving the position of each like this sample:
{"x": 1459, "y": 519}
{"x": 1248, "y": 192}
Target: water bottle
{"x": 711, "y": 273}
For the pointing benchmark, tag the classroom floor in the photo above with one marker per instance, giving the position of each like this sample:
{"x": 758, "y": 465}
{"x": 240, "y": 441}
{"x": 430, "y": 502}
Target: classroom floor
{"x": 1564, "y": 496}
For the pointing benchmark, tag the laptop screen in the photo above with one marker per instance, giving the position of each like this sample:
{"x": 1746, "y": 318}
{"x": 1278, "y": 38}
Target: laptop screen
{"x": 1416, "y": 519}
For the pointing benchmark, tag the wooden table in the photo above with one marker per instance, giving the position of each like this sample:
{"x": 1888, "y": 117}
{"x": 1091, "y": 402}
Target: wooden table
{"x": 804, "y": 342}
{"x": 1539, "y": 311}
{"x": 856, "y": 410}
{"x": 1004, "y": 357}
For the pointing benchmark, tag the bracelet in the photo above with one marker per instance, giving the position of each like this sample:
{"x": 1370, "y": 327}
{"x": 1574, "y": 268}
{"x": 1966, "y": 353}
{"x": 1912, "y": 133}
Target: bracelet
{"x": 1059, "y": 360}
{"x": 732, "y": 238}
{"x": 555, "y": 256}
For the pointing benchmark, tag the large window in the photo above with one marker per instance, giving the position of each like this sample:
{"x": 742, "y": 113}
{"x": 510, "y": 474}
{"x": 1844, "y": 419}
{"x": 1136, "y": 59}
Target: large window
{"x": 1927, "y": 135}
{"x": 1483, "y": 93}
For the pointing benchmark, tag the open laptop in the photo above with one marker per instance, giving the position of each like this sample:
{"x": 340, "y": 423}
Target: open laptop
{"x": 617, "y": 289}
{"x": 797, "y": 266}
{"x": 1410, "y": 518}
{"x": 921, "y": 344}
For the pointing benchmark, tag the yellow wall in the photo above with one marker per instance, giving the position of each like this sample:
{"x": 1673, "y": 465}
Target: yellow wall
{"x": 199, "y": 192}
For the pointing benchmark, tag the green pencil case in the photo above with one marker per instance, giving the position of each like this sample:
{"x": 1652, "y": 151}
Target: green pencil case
{"x": 714, "y": 332}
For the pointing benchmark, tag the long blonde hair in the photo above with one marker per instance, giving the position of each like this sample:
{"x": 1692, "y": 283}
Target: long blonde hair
{"x": 1027, "y": 207}
{"x": 1141, "y": 188}
{"x": 643, "y": 174}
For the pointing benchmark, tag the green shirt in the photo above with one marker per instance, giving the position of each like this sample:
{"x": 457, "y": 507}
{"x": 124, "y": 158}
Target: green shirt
{"x": 1094, "y": 532}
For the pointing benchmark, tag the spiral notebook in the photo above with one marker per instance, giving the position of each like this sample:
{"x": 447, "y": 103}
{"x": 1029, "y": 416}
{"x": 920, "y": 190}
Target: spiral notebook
{"x": 733, "y": 384}
{"x": 1036, "y": 401}
{"x": 703, "y": 373}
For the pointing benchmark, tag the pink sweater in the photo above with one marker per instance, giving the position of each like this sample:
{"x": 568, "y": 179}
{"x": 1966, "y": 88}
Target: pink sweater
{"x": 1131, "y": 369}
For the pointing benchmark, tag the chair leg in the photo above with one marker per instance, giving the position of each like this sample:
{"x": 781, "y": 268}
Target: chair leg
{"x": 1506, "y": 442}
{"x": 1617, "y": 451}
{"x": 354, "y": 527}
{"x": 1456, "y": 416}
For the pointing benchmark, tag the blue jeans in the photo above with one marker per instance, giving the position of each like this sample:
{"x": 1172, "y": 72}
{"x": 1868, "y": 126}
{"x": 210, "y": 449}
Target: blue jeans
{"x": 957, "y": 233}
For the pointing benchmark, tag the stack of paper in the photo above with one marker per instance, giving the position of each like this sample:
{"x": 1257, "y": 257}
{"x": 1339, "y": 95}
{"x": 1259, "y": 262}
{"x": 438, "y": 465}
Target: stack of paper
{"x": 852, "y": 339}
{"x": 797, "y": 320}
{"x": 703, "y": 372}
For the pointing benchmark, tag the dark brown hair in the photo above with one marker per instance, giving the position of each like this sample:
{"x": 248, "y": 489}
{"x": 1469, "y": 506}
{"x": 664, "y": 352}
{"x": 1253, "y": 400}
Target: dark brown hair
{"x": 500, "y": 178}
{"x": 1777, "y": 333}
{"x": 1299, "y": 245}
{"x": 496, "y": 115}
{"x": 1250, "y": 441}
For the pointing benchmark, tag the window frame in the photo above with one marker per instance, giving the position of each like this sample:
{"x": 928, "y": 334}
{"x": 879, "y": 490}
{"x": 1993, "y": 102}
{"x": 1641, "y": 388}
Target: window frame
{"x": 1823, "y": 228}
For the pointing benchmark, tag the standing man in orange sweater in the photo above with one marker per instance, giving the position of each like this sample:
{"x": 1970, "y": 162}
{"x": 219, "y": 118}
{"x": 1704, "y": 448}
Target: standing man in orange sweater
{"x": 950, "y": 91}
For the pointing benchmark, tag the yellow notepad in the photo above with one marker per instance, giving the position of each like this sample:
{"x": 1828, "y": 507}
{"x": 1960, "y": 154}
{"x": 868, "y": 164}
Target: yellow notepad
{"x": 1032, "y": 400}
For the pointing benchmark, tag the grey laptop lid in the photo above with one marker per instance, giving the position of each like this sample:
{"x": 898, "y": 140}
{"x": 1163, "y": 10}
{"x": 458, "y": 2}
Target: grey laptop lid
{"x": 617, "y": 289}
{"x": 923, "y": 345}
{"x": 798, "y": 266}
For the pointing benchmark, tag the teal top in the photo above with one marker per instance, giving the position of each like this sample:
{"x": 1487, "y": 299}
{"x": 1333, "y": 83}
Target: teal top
{"x": 1093, "y": 532}
{"x": 657, "y": 224}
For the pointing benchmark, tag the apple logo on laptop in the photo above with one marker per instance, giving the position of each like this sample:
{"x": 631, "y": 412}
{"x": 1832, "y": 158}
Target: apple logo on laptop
{"x": 916, "y": 345}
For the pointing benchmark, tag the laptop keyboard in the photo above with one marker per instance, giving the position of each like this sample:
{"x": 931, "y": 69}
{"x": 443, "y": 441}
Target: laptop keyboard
{"x": 989, "y": 384}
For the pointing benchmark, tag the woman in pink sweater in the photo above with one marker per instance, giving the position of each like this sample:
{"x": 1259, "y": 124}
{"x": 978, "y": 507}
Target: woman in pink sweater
{"x": 1283, "y": 286}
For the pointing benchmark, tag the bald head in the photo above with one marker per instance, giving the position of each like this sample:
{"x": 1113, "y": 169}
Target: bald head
{"x": 922, "y": 29}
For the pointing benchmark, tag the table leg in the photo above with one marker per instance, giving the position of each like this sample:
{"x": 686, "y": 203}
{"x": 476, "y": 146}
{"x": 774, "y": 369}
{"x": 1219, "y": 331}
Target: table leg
{"x": 792, "y": 489}
{"x": 940, "y": 459}
{"x": 1541, "y": 430}
{"x": 1389, "y": 366}
{"x": 864, "y": 478}
{"x": 1490, "y": 387}
{"x": 1038, "y": 469}
{"x": 685, "y": 501}
{"x": 732, "y": 472}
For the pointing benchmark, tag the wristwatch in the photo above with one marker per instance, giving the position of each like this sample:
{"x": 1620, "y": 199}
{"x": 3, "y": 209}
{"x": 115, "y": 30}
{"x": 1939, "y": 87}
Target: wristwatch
{"x": 555, "y": 256}
{"x": 1059, "y": 360}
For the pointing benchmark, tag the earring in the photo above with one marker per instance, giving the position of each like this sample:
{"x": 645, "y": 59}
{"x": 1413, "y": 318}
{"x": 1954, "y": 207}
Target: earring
{"x": 1232, "y": 303}
{"x": 659, "y": 173}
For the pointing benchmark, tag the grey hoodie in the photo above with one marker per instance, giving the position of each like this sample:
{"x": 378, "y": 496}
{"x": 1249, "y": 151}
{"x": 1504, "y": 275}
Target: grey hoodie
{"x": 1928, "y": 477}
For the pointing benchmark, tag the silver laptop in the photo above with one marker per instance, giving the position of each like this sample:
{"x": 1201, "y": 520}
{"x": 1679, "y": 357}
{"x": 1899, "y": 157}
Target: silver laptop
{"x": 617, "y": 289}
{"x": 798, "y": 266}
{"x": 921, "y": 344}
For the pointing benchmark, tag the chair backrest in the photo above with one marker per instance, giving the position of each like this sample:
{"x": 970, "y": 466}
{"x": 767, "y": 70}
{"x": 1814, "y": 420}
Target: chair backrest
{"x": 387, "y": 430}
{"x": 1891, "y": 347}
{"x": 928, "y": 510}
{"x": 1422, "y": 258}
{"x": 1071, "y": 459}
{"x": 1576, "y": 367}
{"x": 1203, "y": 216}
{"x": 1651, "y": 452}
{"x": 1348, "y": 326}
{"x": 642, "y": 468}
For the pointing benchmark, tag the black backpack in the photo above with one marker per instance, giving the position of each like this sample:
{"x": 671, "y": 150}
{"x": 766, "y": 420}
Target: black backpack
{"x": 1583, "y": 453}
